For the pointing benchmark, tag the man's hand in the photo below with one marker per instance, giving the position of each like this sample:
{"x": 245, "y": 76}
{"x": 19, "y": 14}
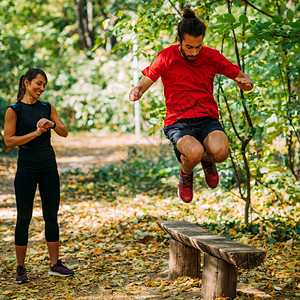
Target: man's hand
{"x": 244, "y": 81}
{"x": 135, "y": 94}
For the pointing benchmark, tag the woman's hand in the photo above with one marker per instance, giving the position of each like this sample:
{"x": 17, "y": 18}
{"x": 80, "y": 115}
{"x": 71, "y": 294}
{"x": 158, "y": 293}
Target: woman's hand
{"x": 40, "y": 130}
{"x": 44, "y": 124}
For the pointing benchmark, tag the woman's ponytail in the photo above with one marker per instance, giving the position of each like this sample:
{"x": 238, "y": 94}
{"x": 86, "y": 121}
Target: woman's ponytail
{"x": 22, "y": 88}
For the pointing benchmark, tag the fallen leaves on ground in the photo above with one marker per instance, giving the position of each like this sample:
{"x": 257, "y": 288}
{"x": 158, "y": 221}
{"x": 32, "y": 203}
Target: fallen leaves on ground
{"x": 110, "y": 237}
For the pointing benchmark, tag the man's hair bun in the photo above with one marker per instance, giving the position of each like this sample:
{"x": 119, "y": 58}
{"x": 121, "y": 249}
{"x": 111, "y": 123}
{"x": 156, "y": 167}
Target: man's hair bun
{"x": 188, "y": 13}
{"x": 190, "y": 24}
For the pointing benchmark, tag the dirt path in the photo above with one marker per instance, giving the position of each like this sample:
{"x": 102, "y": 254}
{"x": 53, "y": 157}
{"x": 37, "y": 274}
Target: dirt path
{"x": 87, "y": 151}
{"x": 82, "y": 151}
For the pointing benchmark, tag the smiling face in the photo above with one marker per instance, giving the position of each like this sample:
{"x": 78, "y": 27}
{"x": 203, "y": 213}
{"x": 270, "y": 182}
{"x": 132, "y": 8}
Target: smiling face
{"x": 35, "y": 87}
{"x": 190, "y": 46}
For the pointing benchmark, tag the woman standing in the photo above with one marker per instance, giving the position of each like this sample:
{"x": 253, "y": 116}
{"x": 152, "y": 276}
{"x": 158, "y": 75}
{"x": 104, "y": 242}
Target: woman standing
{"x": 27, "y": 125}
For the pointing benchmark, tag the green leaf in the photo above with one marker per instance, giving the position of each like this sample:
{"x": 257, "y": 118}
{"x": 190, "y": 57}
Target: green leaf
{"x": 236, "y": 25}
{"x": 218, "y": 26}
{"x": 243, "y": 19}
{"x": 290, "y": 14}
{"x": 264, "y": 25}
{"x": 267, "y": 35}
{"x": 221, "y": 19}
{"x": 277, "y": 19}
{"x": 248, "y": 27}
{"x": 295, "y": 24}
{"x": 230, "y": 18}
{"x": 250, "y": 39}
{"x": 239, "y": 235}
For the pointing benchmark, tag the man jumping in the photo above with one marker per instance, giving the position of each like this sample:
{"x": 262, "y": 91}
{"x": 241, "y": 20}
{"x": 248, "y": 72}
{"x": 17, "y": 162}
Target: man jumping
{"x": 187, "y": 71}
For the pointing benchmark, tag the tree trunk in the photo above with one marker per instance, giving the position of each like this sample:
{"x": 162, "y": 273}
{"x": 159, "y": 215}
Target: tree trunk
{"x": 85, "y": 25}
{"x": 89, "y": 25}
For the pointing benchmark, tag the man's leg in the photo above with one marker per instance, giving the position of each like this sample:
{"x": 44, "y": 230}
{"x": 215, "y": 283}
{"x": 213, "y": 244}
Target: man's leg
{"x": 216, "y": 147}
{"x": 216, "y": 150}
{"x": 191, "y": 154}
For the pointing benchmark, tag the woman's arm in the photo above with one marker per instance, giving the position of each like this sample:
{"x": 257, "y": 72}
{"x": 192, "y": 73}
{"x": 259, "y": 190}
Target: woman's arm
{"x": 10, "y": 137}
{"x": 60, "y": 127}
{"x": 55, "y": 123}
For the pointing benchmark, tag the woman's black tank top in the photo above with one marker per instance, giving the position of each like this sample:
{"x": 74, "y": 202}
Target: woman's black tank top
{"x": 37, "y": 154}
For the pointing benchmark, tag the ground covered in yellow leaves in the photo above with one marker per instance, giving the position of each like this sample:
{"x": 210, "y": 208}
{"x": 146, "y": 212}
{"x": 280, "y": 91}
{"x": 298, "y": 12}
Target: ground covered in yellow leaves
{"x": 113, "y": 190}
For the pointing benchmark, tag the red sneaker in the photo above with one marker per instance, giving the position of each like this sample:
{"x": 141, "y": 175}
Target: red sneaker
{"x": 185, "y": 188}
{"x": 211, "y": 173}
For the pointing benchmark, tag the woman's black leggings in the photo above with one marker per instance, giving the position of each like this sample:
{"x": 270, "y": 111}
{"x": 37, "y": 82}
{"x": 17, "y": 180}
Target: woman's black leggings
{"x": 25, "y": 188}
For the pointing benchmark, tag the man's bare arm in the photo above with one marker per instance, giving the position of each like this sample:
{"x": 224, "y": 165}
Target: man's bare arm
{"x": 137, "y": 92}
{"x": 244, "y": 81}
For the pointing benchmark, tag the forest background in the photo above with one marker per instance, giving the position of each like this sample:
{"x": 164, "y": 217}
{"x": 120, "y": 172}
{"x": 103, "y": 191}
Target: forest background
{"x": 87, "y": 48}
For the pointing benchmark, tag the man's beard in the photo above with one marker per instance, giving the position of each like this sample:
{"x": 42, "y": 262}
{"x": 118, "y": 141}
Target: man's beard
{"x": 190, "y": 58}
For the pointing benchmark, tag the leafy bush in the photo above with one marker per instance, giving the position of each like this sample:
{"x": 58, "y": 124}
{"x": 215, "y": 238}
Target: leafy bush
{"x": 140, "y": 173}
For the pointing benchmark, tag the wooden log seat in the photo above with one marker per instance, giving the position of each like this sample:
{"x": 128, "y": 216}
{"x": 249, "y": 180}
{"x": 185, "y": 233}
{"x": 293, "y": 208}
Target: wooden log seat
{"x": 222, "y": 258}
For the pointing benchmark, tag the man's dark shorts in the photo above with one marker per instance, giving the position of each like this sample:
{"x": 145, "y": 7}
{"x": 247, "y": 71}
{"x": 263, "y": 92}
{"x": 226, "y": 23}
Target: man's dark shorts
{"x": 199, "y": 128}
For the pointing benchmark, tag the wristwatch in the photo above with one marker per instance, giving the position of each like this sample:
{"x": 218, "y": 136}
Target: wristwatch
{"x": 53, "y": 125}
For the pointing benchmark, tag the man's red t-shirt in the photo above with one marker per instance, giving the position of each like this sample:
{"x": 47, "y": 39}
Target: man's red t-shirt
{"x": 188, "y": 86}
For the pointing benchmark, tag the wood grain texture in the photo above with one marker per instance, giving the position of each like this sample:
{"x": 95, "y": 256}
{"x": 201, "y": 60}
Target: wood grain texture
{"x": 219, "y": 278}
{"x": 183, "y": 261}
{"x": 237, "y": 254}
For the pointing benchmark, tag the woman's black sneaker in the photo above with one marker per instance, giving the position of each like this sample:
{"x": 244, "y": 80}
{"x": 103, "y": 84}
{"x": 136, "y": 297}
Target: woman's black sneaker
{"x": 60, "y": 270}
{"x": 21, "y": 275}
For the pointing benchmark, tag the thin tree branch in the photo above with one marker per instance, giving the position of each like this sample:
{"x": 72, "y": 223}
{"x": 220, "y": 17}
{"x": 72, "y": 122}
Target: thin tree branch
{"x": 239, "y": 64}
{"x": 101, "y": 8}
{"x": 237, "y": 176}
{"x": 278, "y": 7}
{"x": 230, "y": 115}
{"x": 261, "y": 11}
{"x": 272, "y": 190}
{"x": 231, "y": 120}
{"x": 260, "y": 215}
{"x": 230, "y": 152}
{"x": 179, "y": 13}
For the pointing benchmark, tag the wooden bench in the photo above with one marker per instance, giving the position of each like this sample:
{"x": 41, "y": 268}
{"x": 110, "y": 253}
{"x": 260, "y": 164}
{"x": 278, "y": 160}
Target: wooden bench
{"x": 222, "y": 258}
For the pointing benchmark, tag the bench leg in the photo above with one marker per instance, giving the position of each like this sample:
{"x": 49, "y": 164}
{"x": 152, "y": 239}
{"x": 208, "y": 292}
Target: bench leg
{"x": 219, "y": 278}
{"x": 183, "y": 261}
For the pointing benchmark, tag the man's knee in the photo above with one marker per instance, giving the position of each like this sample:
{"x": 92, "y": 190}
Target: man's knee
{"x": 220, "y": 155}
{"x": 217, "y": 145}
{"x": 195, "y": 155}
{"x": 191, "y": 149}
